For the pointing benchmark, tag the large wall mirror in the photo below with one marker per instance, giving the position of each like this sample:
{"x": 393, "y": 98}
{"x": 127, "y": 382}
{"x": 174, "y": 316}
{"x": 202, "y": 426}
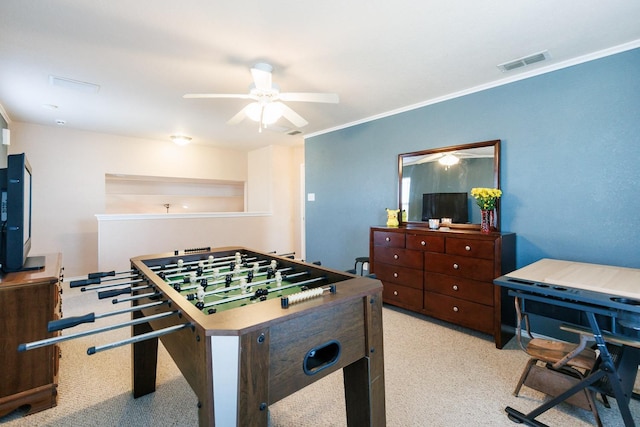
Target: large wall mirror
{"x": 437, "y": 183}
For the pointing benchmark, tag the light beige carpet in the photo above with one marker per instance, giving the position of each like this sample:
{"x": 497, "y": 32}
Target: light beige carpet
{"x": 436, "y": 375}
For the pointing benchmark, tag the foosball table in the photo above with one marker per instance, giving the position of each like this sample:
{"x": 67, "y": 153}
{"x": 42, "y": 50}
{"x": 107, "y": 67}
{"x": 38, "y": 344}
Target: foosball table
{"x": 247, "y": 329}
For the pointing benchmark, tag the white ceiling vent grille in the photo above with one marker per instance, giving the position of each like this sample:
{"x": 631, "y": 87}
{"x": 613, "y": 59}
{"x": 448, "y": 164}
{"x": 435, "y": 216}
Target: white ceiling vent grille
{"x": 73, "y": 84}
{"x": 523, "y": 62}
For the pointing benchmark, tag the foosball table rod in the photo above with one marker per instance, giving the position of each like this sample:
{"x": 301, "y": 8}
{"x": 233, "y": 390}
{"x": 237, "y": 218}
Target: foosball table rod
{"x": 98, "y": 280}
{"x": 138, "y": 338}
{"x": 70, "y": 322}
{"x": 109, "y": 285}
{"x": 61, "y": 338}
{"x": 136, "y": 297}
{"x": 120, "y": 291}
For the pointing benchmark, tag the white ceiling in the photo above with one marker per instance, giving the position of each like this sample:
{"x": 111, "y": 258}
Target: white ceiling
{"x": 379, "y": 56}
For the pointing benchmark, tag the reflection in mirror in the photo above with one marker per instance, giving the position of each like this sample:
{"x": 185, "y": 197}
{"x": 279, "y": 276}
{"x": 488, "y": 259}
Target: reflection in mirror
{"x": 437, "y": 183}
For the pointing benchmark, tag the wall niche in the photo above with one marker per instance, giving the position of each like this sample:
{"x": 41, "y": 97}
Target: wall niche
{"x": 136, "y": 194}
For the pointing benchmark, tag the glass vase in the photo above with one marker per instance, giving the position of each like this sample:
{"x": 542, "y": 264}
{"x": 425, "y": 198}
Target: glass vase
{"x": 486, "y": 221}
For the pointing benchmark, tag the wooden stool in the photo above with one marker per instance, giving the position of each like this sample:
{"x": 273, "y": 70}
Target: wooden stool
{"x": 555, "y": 366}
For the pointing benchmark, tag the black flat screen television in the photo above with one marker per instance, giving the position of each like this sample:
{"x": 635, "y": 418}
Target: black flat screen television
{"x": 16, "y": 186}
{"x": 446, "y": 205}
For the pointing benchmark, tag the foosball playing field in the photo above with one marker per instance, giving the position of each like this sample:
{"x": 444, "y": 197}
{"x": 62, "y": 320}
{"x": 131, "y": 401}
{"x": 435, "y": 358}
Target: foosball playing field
{"x": 227, "y": 282}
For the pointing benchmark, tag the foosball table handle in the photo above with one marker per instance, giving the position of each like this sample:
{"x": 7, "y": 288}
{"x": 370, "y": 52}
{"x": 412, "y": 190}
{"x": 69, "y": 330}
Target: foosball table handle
{"x": 113, "y": 293}
{"x": 69, "y": 322}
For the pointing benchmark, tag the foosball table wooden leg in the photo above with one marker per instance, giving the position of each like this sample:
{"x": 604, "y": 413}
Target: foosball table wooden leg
{"x": 364, "y": 379}
{"x": 144, "y": 360}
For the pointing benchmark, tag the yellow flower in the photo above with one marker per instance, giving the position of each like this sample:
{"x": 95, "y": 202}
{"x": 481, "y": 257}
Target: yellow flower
{"x": 486, "y": 198}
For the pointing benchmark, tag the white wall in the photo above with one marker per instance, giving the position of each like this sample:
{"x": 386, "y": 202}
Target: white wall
{"x": 273, "y": 171}
{"x": 69, "y": 181}
{"x": 125, "y": 236}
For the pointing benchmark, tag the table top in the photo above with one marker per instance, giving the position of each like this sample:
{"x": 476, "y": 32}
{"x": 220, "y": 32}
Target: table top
{"x": 621, "y": 281}
{"x": 49, "y": 274}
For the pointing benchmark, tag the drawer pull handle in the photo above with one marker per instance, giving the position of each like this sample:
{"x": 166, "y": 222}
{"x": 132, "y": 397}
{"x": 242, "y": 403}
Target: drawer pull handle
{"x": 395, "y": 293}
{"x": 395, "y": 256}
{"x": 395, "y": 275}
{"x": 467, "y": 248}
{"x": 456, "y": 266}
{"x": 423, "y": 243}
{"x": 456, "y": 309}
{"x": 455, "y": 287}
{"x": 387, "y": 239}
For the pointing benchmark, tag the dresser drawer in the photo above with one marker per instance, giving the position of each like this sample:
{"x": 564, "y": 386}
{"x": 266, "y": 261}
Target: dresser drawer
{"x": 471, "y": 247}
{"x": 398, "y": 256}
{"x": 389, "y": 239}
{"x": 457, "y": 287}
{"x": 461, "y": 312}
{"x": 425, "y": 242}
{"x": 402, "y": 275}
{"x": 402, "y": 296}
{"x": 459, "y": 266}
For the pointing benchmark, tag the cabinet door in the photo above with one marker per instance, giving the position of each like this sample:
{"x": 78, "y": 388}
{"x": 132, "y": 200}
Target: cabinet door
{"x": 24, "y": 314}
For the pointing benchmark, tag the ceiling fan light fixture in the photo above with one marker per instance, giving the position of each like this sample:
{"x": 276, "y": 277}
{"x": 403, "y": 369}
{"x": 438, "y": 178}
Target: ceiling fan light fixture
{"x": 180, "y": 139}
{"x": 267, "y": 114}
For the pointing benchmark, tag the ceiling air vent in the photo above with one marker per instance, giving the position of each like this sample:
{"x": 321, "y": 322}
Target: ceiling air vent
{"x": 294, "y": 132}
{"x": 523, "y": 62}
{"x": 73, "y": 84}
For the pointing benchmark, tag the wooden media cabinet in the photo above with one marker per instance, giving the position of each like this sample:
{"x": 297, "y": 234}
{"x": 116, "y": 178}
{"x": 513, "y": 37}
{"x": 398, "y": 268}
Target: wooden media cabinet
{"x": 28, "y": 301}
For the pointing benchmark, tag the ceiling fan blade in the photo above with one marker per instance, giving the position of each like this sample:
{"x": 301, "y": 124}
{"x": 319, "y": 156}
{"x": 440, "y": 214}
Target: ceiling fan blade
{"x": 238, "y": 117}
{"x": 292, "y": 116}
{"x": 216, "y": 95}
{"x": 330, "y": 98}
{"x": 262, "y": 76}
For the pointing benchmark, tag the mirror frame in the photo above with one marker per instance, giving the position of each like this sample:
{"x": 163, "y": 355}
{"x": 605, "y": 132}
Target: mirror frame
{"x": 496, "y": 177}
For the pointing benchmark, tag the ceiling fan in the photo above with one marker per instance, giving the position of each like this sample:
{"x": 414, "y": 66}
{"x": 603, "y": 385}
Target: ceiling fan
{"x": 267, "y": 106}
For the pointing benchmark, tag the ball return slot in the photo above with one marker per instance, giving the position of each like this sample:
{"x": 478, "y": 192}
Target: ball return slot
{"x": 319, "y": 358}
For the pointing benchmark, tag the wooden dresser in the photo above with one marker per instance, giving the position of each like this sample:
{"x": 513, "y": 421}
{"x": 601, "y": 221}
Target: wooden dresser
{"x": 447, "y": 274}
{"x": 28, "y": 301}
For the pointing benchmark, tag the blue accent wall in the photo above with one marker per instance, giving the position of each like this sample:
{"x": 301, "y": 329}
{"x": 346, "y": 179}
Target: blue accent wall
{"x": 570, "y": 165}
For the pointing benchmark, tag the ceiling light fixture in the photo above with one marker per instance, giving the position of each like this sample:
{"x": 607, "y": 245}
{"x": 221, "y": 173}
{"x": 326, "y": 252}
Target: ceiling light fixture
{"x": 180, "y": 139}
{"x": 264, "y": 113}
{"x": 448, "y": 160}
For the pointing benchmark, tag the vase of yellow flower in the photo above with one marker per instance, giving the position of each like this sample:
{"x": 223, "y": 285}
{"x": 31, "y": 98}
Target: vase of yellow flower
{"x": 486, "y": 198}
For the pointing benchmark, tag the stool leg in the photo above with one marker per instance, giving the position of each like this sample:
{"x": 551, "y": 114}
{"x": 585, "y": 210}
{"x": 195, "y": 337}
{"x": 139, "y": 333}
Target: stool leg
{"x": 524, "y": 375}
{"x": 592, "y": 404}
